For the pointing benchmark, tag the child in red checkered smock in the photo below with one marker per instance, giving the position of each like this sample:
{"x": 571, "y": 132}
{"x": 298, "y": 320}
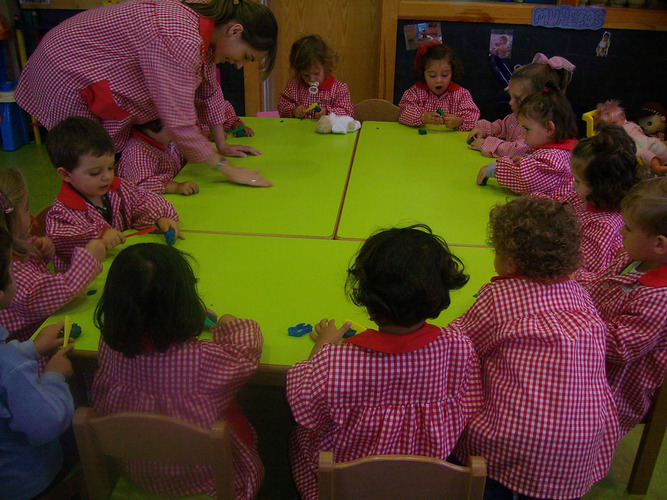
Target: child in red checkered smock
{"x": 312, "y": 61}
{"x": 39, "y": 292}
{"x": 505, "y": 137}
{"x": 131, "y": 62}
{"x": 548, "y": 428}
{"x": 151, "y": 360}
{"x": 549, "y": 128}
{"x": 408, "y": 387}
{"x": 436, "y": 67}
{"x": 92, "y": 202}
{"x": 604, "y": 168}
{"x": 631, "y": 296}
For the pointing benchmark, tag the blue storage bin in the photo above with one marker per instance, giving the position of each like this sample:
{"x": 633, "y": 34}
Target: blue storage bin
{"x": 13, "y": 127}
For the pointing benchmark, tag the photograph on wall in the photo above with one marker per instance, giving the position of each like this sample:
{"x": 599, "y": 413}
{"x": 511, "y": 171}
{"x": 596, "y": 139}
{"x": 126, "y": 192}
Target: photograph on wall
{"x": 603, "y": 47}
{"x": 500, "y": 43}
{"x": 418, "y": 34}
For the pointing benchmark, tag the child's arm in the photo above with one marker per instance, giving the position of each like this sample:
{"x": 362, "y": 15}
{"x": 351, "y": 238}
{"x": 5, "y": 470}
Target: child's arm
{"x": 495, "y": 147}
{"x": 232, "y": 122}
{"x": 342, "y": 103}
{"x": 147, "y": 167}
{"x": 600, "y": 242}
{"x": 143, "y": 207}
{"x": 412, "y": 108}
{"x": 465, "y": 108}
{"x": 69, "y": 229}
{"x": 288, "y": 100}
{"x": 479, "y": 322}
{"x": 541, "y": 172}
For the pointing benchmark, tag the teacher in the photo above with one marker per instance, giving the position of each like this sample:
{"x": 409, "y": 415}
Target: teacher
{"x": 133, "y": 62}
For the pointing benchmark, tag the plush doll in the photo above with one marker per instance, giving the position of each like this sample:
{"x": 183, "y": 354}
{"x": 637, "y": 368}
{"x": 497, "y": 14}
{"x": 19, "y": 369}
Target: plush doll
{"x": 652, "y": 120}
{"x": 332, "y": 123}
{"x": 652, "y": 151}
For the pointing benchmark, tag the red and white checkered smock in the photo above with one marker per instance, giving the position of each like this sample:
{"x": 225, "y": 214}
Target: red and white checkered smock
{"x": 379, "y": 394}
{"x": 230, "y": 117}
{"x": 601, "y": 237}
{"x": 72, "y": 221}
{"x": 503, "y": 137}
{"x": 134, "y": 62}
{"x": 543, "y": 171}
{"x": 332, "y": 94}
{"x": 634, "y": 306}
{"x": 548, "y": 428}
{"x": 148, "y": 164}
{"x": 456, "y": 100}
{"x": 195, "y": 382}
{"x": 40, "y": 293}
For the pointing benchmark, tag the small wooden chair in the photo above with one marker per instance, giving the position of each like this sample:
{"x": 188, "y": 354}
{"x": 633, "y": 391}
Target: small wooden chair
{"x": 38, "y": 227}
{"x": 589, "y": 120}
{"x": 152, "y": 438}
{"x": 655, "y": 424}
{"x": 400, "y": 476}
{"x": 377, "y": 110}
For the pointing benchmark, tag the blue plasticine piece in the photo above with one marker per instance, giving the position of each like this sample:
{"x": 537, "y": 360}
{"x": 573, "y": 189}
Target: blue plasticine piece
{"x": 240, "y": 133}
{"x": 349, "y": 333}
{"x": 75, "y": 331}
{"x": 281, "y": 121}
{"x": 484, "y": 181}
{"x": 299, "y": 330}
{"x": 210, "y": 320}
{"x": 91, "y": 292}
{"x": 471, "y": 140}
{"x": 170, "y": 236}
{"x": 422, "y": 131}
{"x": 317, "y": 109}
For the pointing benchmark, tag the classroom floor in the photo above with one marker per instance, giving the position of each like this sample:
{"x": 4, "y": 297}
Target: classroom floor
{"x": 43, "y": 185}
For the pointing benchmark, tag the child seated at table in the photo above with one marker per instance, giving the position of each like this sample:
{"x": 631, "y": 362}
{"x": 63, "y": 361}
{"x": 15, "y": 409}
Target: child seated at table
{"x": 233, "y": 122}
{"x": 505, "y": 137}
{"x": 631, "y": 296}
{"x": 93, "y": 202}
{"x": 312, "y": 85}
{"x": 548, "y": 428}
{"x": 151, "y": 360}
{"x": 549, "y": 128}
{"x": 408, "y": 387}
{"x": 39, "y": 292}
{"x": 34, "y": 410}
{"x": 604, "y": 168}
{"x": 435, "y": 99}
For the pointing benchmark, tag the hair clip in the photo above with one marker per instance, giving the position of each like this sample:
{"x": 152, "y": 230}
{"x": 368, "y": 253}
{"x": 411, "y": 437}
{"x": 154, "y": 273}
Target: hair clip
{"x": 5, "y": 205}
{"x": 545, "y": 90}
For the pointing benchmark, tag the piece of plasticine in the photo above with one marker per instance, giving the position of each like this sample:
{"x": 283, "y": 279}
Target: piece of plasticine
{"x": 210, "y": 320}
{"x": 440, "y": 112}
{"x": 312, "y": 106}
{"x": 471, "y": 140}
{"x": 76, "y": 331}
{"x": 236, "y": 130}
{"x": 354, "y": 328}
{"x": 170, "y": 236}
{"x": 422, "y": 131}
{"x": 240, "y": 133}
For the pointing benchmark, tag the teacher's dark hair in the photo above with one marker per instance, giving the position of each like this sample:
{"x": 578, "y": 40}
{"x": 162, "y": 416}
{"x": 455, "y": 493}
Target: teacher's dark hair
{"x": 260, "y": 28}
{"x": 150, "y": 300}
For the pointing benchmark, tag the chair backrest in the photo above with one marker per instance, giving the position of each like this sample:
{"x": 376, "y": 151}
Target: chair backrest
{"x": 377, "y": 110}
{"x": 399, "y": 477}
{"x": 588, "y": 118}
{"x": 38, "y": 227}
{"x": 268, "y": 114}
{"x": 152, "y": 438}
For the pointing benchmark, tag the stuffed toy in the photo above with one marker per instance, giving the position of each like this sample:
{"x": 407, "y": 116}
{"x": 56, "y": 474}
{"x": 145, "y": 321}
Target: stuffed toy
{"x": 652, "y": 120}
{"x": 652, "y": 151}
{"x": 335, "y": 124}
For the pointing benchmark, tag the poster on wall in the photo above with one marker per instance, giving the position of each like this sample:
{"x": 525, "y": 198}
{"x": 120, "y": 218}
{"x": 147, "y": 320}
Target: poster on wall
{"x": 500, "y": 43}
{"x": 418, "y": 34}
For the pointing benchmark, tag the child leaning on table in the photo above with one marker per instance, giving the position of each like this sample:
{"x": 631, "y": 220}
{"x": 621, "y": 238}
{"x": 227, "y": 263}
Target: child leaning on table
{"x": 436, "y": 67}
{"x": 505, "y": 137}
{"x": 312, "y": 61}
{"x": 39, "y": 292}
{"x": 92, "y": 202}
{"x": 408, "y": 387}
{"x": 151, "y": 360}
{"x": 548, "y": 428}
{"x": 549, "y": 128}
{"x": 34, "y": 410}
{"x": 631, "y": 296}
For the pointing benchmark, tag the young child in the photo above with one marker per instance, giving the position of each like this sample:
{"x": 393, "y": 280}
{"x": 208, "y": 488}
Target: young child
{"x": 409, "y": 387}
{"x": 93, "y": 202}
{"x": 549, "y": 128}
{"x": 150, "y": 360}
{"x": 548, "y": 428}
{"x": 504, "y": 137}
{"x": 312, "y": 61}
{"x": 233, "y": 122}
{"x": 604, "y": 168}
{"x": 436, "y": 68}
{"x": 34, "y": 411}
{"x": 652, "y": 151}
{"x": 151, "y": 161}
{"x": 631, "y": 296}
{"x": 39, "y": 292}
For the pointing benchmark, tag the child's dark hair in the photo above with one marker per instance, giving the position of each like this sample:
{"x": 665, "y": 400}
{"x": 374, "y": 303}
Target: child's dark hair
{"x": 310, "y": 50}
{"x": 5, "y": 258}
{"x": 153, "y": 125}
{"x": 646, "y": 205}
{"x": 149, "y": 300}
{"x": 607, "y": 162}
{"x": 538, "y": 75}
{"x": 437, "y": 52}
{"x": 403, "y": 276}
{"x": 260, "y": 28}
{"x": 76, "y": 136}
{"x": 550, "y": 104}
{"x": 540, "y": 234}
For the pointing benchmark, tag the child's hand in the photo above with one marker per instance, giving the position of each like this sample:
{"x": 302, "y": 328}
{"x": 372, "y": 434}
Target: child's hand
{"x": 45, "y": 247}
{"x": 59, "y": 362}
{"x": 321, "y": 113}
{"x": 97, "y": 249}
{"x": 48, "y": 339}
{"x": 431, "y": 118}
{"x": 476, "y": 133}
{"x": 516, "y": 159}
{"x": 452, "y": 121}
{"x": 239, "y": 150}
{"x": 327, "y": 333}
{"x": 112, "y": 238}
{"x": 224, "y": 319}
{"x": 481, "y": 176}
{"x": 476, "y": 144}
{"x": 299, "y": 112}
{"x": 246, "y": 176}
{"x": 186, "y": 188}
{"x": 166, "y": 224}
{"x": 656, "y": 167}
{"x": 248, "y": 131}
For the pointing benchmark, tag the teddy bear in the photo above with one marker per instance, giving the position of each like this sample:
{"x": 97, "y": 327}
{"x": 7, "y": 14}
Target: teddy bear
{"x": 335, "y": 124}
{"x": 652, "y": 120}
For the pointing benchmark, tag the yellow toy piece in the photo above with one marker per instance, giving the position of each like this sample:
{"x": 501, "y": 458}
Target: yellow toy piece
{"x": 588, "y": 120}
{"x": 356, "y": 327}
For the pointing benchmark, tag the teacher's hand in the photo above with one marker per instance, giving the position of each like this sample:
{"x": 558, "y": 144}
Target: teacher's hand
{"x": 238, "y": 150}
{"x": 245, "y": 176}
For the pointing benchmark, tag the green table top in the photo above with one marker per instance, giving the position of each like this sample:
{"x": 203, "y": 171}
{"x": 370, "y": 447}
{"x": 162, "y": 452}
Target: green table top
{"x": 308, "y": 171}
{"x": 400, "y": 177}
